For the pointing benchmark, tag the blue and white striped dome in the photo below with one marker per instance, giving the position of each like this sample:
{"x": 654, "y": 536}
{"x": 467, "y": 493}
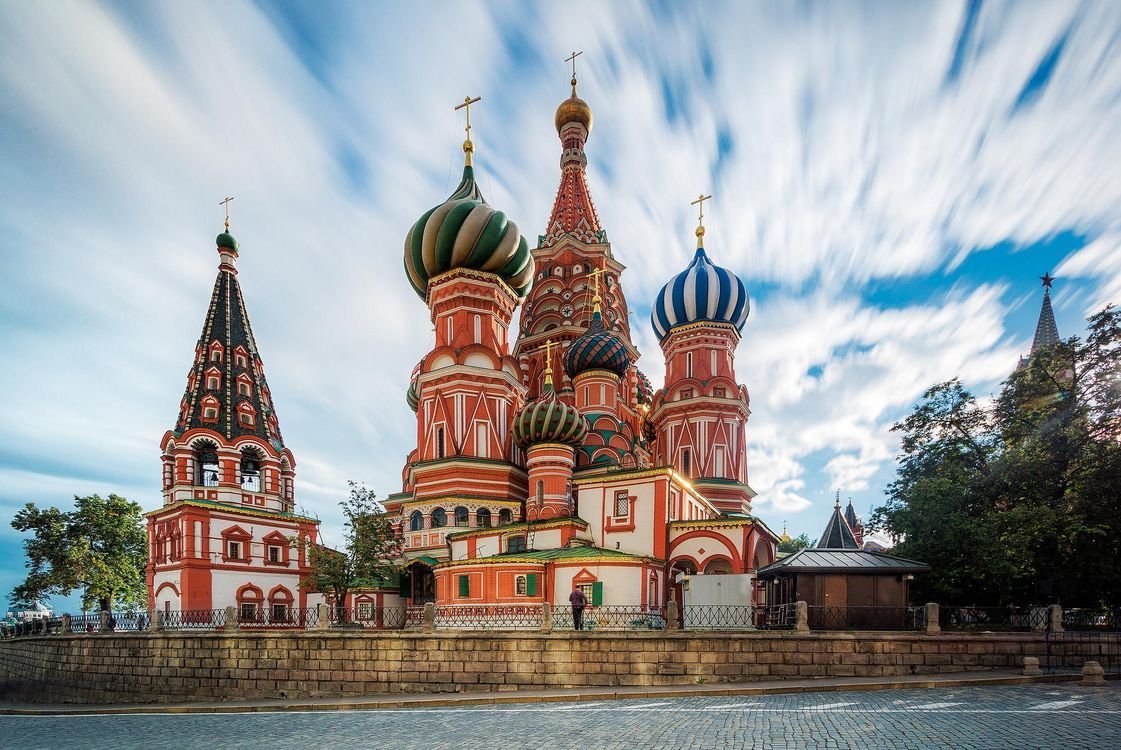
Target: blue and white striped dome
{"x": 702, "y": 291}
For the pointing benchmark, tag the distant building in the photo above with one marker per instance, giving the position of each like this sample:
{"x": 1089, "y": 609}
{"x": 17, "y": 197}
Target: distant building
{"x": 1046, "y": 331}
{"x": 39, "y": 611}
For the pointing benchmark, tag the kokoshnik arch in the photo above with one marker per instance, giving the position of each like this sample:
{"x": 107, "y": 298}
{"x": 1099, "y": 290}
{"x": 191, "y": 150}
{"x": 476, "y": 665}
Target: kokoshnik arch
{"x": 538, "y": 467}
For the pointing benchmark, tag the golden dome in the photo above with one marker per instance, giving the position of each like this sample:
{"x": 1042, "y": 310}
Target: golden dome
{"x": 574, "y": 109}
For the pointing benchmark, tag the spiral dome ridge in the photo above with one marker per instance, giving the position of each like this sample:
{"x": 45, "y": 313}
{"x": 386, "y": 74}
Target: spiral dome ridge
{"x": 547, "y": 419}
{"x": 466, "y": 232}
{"x": 597, "y": 349}
{"x": 702, "y": 292}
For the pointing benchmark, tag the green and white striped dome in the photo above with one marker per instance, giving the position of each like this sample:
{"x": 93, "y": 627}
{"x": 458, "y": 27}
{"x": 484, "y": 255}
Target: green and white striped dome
{"x": 547, "y": 419}
{"x": 465, "y": 232}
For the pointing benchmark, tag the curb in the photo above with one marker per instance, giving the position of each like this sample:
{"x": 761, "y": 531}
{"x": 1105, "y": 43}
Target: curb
{"x": 568, "y": 696}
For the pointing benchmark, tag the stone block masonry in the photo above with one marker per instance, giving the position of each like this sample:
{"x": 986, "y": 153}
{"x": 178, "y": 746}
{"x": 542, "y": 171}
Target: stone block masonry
{"x": 168, "y": 666}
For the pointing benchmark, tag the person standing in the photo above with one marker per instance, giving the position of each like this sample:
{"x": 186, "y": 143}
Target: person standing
{"x": 578, "y": 602}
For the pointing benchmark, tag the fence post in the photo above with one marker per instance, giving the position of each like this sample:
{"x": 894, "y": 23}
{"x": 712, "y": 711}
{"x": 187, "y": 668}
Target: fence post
{"x": 1055, "y": 618}
{"x": 932, "y": 625}
{"x": 673, "y": 617}
{"x": 103, "y": 621}
{"x": 801, "y": 617}
{"x": 65, "y": 625}
{"x": 231, "y": 618}
{"x": 322, "y": 617}
{"x": 1031, "y": 666}
{"x": 155, "y": 620}
{"x": 429, "y": 618}
{"x": 1093, "y": 674}
{"x": 546, "y": 617}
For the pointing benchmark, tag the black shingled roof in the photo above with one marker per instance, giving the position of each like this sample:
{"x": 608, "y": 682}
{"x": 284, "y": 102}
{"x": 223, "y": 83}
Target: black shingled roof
{"x": 841, "y": 560}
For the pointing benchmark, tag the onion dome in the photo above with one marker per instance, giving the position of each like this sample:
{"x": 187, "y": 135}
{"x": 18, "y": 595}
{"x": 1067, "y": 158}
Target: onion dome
{"x": 547, "y": 419}
{"x": 412, "y": 396}
{"x": 702, "y": 292}
{"x": 573, "y": 109}
{"x": 649, "y": 430}
{"x": 226, "y": 240}
{"x": 597, "y": 349}
{"x": 466, "y": 232}
{"x": 645, "y": 389}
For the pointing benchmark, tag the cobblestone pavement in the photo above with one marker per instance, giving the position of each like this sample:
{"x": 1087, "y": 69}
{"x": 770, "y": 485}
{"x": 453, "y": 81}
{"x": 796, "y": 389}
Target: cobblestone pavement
{"x": 980, "y": 718}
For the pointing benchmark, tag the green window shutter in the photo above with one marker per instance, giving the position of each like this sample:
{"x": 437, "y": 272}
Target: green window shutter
{"x": 404, "y": 585}
{"x": 531, "y": 584}
{"x": 597, "y": 593}
{"x": 464, "y": 586}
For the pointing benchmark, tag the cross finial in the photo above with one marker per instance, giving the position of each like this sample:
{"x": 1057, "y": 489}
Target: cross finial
{"x": 572, "y": 59}
{"x": 595, "y": 289}
{"x": 700, "y": 204}
{"x": 1047, "y": 279}
{"x": 548, "y": 363}
{"x": 838, "y": 504}
{"x": 226, "y": 204}
{"x": 468, "y": 147}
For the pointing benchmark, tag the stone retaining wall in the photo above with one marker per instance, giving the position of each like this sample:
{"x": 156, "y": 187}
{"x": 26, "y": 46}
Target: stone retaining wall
{"x": 168, "y": 667}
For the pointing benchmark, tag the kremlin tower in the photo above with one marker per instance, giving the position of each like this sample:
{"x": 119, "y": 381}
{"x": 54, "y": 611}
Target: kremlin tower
{"x": 223, "y": 536}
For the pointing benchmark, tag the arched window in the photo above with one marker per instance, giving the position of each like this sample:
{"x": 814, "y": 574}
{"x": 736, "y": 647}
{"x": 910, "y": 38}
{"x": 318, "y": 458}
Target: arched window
{"x": 520, "y": 586}
{"x": 504, "y": 517}
{"x": 250, "y": 471}
{"x": 439, "y": 518}
{"x": 416, "y": 521}
{"x": 208, "y": 471}
{"x": 482, "y": 518}
{"x": 461, "y": 516}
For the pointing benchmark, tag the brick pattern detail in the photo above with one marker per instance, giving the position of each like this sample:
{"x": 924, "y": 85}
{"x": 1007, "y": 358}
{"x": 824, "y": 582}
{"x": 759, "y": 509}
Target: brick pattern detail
{"x": 169, "y": 667}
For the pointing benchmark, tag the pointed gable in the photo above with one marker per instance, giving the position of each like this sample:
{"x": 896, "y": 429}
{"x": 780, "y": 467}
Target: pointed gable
{"x": 1046, "y": 332}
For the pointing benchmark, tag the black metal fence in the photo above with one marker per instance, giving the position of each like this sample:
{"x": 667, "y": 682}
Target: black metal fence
{"x": 993, "y": 618}
{"x": 1092, "y": 619}
{"x": 488, "y": 616}
{"x": 612, "y": 617}
{"x": 371, "y": 617}
{"x": 866, "y": 618}
{"x": 1071, "y": 649}
{"x": 192, "y": 619}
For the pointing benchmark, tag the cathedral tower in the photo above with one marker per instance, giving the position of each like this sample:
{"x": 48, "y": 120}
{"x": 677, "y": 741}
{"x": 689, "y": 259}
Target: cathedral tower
{"x": 471, "y": 266}
{"x": 701, "y": 412}
{"x": 223, "y": 536}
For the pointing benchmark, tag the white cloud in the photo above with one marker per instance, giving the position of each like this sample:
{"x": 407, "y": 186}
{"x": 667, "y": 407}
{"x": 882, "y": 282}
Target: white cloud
{"x": 851, "y": 160}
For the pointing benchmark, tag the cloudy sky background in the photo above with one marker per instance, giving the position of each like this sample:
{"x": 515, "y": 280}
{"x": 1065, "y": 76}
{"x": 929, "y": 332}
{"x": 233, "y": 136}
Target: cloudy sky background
{"x": 889, "y": 180}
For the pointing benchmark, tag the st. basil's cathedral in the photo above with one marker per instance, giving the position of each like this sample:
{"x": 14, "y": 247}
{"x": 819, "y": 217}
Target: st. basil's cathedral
{"x": 539, "y": 467}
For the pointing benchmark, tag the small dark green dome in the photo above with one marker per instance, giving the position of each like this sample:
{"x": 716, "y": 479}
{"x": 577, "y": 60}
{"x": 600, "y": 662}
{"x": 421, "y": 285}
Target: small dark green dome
{"x": 225, "y": 239}
{"x": 549, "y": 420}
{"x": 597, "y": 349}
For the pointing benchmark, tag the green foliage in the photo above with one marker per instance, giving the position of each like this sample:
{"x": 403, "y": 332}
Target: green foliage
{"x": 800, "y": 542}
{"x": 1017, "y": 501}
{"x": 99, "y": 547}
{"x": 371, "y": 549}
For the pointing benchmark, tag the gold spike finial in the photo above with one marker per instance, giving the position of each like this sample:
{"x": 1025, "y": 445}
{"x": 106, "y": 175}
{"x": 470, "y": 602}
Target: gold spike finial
{"x": 468, "y": 146}
{"x": 572, "y": 59}
{"x": 838, "y": 503}
{"x": 700, "y": 204}
{"x": 226, "y": 204}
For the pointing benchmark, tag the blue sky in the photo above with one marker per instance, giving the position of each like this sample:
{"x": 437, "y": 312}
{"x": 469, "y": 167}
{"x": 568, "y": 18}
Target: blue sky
{"x": 890, "y": 179}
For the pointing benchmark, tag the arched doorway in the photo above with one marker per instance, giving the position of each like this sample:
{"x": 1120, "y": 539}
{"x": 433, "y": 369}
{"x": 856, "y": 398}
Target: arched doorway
{"x": 419, "y": 584}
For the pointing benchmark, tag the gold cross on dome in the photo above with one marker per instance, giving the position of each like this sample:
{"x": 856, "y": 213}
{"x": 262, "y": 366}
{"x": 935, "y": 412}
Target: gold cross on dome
{"x": 572, "y": 59}
{"x": 700, "y": 204}
{"x": 468, "y": 101}
{"x": 226, "y": 204}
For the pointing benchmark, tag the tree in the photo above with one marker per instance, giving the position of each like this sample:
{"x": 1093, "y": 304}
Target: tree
{"x": 1018, "y": 501}
{"x": 100, "y": 547}
{"x": 798, "y": 543}
{"x": 371, "y": 549}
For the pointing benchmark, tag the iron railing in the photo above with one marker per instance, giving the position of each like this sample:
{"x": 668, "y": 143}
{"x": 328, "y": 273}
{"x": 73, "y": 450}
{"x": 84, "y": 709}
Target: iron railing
{"x": 718, "y": 617}
{"x": 607, "y": 617}
{"x": 993, "y": 618}
{"x": 374, "y": 618}
{"x": 866, "y": 618}
{"x": 285, "y": 618}
{"x": 193, "y": 619}
{"x": 1073, "y": 648}
{"x": 488, "y": 616}
{"x": 1092, "y": 619}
